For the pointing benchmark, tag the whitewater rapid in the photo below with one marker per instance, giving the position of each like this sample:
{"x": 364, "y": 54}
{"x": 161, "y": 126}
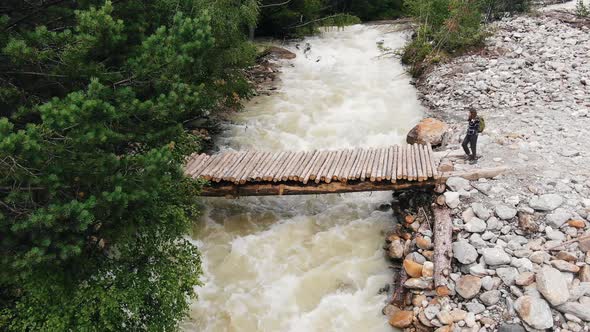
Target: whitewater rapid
{"x": 308, "y": 263}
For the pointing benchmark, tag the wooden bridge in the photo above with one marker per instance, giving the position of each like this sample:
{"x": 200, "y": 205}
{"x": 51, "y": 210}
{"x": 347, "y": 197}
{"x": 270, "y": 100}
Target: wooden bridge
{"x": 259, "y": 173}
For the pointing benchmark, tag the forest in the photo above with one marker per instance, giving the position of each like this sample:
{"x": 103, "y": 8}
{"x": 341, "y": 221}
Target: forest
{"x": 100, "y": 104}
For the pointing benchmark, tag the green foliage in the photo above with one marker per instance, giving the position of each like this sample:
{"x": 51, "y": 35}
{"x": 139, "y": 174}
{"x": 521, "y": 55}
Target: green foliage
{"x": 302, "y": 17}
{"x": 581, "y": 9}
{"x": 95, "y": 105}
{"x": 494, "y": 9}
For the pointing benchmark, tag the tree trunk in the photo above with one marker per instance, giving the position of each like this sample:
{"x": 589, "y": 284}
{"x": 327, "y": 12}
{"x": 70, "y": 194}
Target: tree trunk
{"x": 443, "y": 233}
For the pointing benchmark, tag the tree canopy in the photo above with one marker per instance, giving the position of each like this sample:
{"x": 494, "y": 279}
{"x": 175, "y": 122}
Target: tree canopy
{"x": 96, "y": 104}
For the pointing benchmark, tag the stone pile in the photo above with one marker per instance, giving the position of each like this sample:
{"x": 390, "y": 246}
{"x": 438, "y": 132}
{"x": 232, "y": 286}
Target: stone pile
{"x": 522, "y": 241}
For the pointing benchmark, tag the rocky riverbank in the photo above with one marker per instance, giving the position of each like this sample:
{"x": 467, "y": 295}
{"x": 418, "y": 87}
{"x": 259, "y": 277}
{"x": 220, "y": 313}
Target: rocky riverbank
{"x": 521, "y": 249}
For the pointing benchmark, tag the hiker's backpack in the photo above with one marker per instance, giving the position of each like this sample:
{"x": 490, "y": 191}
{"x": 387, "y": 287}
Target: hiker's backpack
{"x": 482, "y": 125}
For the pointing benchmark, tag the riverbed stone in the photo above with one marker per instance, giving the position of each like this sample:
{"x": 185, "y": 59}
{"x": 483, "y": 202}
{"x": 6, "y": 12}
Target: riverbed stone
{"x": 505, "y": 212}
{"x": 546, "y": 202}
{"x": 553, "y": 285}
{"x": 490, "y": 297}
{"x": 428, "y": 269}
{"x": 481, "y": 211}
{"x": 401, "y": 319}
{"x": 525, "y": 278}
{"x": 496, "y": 256}
{"x": 534, "y": 311}
{"x": 475, "y": 225}
{"x": 507, "y": 274}
{"x": 452, "y": 199}
{"x": 457, "y": 184}
{"x": 464, "y": 252}
{"x": 564, "y": 266}
{"x": 468, "y": 286}
{"x": 418, "y": 283}
{"x": 412, "y": 268}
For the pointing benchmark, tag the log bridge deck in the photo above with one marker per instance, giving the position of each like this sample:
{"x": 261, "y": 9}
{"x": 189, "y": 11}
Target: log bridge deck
{"x": 259, "y": 173}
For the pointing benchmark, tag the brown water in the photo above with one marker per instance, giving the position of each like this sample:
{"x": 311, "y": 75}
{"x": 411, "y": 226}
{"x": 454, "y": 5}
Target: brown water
{"x": 308, "y": 263}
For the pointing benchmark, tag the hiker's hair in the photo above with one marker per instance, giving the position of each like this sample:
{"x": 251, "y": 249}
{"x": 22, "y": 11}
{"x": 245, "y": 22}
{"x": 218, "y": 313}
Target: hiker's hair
{"x": 472, "y": 113}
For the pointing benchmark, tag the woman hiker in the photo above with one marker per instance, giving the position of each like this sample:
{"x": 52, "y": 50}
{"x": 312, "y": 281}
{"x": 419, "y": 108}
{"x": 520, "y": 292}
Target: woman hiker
{"x": 476, "y": 126}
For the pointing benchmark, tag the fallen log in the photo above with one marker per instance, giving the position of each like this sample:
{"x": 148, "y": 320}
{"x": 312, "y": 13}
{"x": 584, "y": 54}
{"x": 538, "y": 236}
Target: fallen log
{"x": 476, "y": 174}
{"x": 443, "y": 233}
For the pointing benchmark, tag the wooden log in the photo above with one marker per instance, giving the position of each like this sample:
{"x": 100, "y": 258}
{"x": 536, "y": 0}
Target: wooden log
{"x": 358, "y": 164}
{"x": 286, "y": 160}
{"x": 245, "y": 172}
{"x": 390, "y": 169}
{"x": 427, "y": 162}
{"x": 206, "y": 172}
{"x": 277, "y": 164}
{"x": 365, "y": 164}
{"x": 341, "y": 163}
{"x": 204, "y": 165}
{"x": 375, "y": 166}
{"x": 302, "y": 165}
{"x": 410, "y": 161}
{"x": 416, "y": 162}
{"x": 347, "y": 169}
{"x": 198, "y": 165}
{"x": 264, "y": 158}
{"x": 399, "y": 162}
{"x": 270, "y": 162}
{"x": 394, "y": 165}
{"x": 304, "y": 176}
{"x": 233, "y": 172}
{"x": 476, "y": 174}
{"x": 217, "y": 170}
{"x": 313, "y": 172}
{"x": 381, "y": 166}
{"x": 420, "y": 162}
{"x": 320, "y": 176}
{"x": 225, "y": 166}
{"x": 275, "y": 189}
{"x": 314, "y": 168}
{"x": 193, "y": 162}
{"x": 291, "y": 165}
{"x": 443, "y": 233}
{"x": 328, "y": 176}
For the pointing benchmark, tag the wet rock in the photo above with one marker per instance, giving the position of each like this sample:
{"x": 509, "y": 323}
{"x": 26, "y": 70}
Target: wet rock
{"x": 496, "y": 256}
{"x": 396, "y": 249}
{"x": 534, "y": 311}
{"x": 428, "y": 269}
{"x": 504, "y": 212}
{"x": 401, "y": 318}
{"x": 464, "y": 252}
{"x": 490, "y": 297}
{"x": 468, "y": 286}
{"x": 418, "y": 283}
{"x": 428, "y": 130}
{"x": 413, "y": 269}
{"x": 564, "y": 266}
{"x": 280, "y": 53}
{"x": 553, "y": 285}
{"x": 546, "y": 202}
{"x": 458, "y": 184}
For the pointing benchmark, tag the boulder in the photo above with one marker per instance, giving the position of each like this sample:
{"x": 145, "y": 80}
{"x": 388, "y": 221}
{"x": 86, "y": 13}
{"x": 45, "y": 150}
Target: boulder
{"x": 280, "y": 53}
{"x": 534, "y": 311}
{"x": 428, "y": 130}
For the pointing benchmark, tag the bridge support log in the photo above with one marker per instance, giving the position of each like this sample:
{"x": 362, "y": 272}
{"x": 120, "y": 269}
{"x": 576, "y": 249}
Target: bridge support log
{"x": 296, "y": 188}
{"x": 443, "y": 234}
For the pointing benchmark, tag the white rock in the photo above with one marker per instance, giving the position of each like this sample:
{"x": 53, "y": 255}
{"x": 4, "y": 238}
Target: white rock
{"x": 546, "y": 202}
{"x": 452, "y": 199}
{"x": 496, "y": 256}
{"x": 504, "y": 212}
{"x": 464, "y": 252}
{"x": 534, "y": 311}
{"x": 475, "y": 225}
{"x": 457, "y": 184}
{"x": 553, "y": 285}
{"x": 480, "y": 211}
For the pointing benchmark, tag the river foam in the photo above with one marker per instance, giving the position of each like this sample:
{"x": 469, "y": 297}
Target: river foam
{"x": 308, "y": 263}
